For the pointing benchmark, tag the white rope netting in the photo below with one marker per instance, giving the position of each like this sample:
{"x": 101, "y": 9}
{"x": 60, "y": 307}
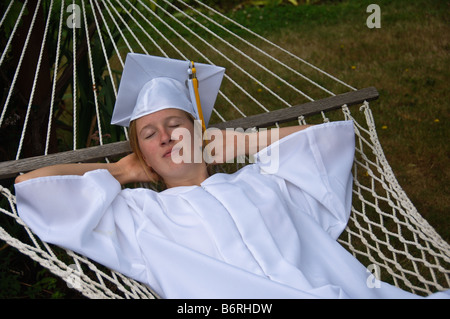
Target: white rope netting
{"x": 85, "y": 42}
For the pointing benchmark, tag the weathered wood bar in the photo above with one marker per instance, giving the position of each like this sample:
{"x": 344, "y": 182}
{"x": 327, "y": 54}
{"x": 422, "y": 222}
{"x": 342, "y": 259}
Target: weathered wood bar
{"x": 10, "y": 169}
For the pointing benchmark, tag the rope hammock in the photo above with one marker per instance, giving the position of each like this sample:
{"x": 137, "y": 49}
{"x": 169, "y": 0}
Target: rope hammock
{"x": 60, "y": 68}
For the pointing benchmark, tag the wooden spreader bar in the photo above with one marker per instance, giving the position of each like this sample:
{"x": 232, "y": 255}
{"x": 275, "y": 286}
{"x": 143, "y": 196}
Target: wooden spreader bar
{"x": 10, "y": 169}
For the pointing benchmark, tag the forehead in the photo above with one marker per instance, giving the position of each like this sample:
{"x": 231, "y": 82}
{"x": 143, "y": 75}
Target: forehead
{"x": 159, "y": 117}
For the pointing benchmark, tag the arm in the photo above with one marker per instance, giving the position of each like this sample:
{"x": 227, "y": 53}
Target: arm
{"x": 225, "y": 145}
{"x": 259, "y": 140}
{"x": 127, "y": 170}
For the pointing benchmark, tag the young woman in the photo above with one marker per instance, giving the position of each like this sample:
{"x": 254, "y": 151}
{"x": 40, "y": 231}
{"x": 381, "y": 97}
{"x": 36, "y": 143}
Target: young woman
{"x": 266, "y": 231}
{"x": 155, "y": 140}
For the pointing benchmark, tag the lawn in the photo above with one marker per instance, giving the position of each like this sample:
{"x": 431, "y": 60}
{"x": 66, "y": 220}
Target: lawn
{"x": 407, "y": 60}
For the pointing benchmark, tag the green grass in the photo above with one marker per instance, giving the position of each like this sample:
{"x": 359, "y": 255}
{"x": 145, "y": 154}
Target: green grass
{"x": 407, "y": 60}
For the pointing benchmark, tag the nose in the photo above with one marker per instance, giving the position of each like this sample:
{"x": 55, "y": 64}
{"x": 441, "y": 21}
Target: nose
{"x": 165, "y": 137}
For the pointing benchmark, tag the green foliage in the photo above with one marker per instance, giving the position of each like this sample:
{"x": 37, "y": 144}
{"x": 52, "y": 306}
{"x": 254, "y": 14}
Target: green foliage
{"x": 21, "y": 278}
{"x": 273, "y": 3}
{"x": 10, "y": 21}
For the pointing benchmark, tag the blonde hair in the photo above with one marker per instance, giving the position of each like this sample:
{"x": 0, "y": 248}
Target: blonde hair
{"x": 134, "y": 143}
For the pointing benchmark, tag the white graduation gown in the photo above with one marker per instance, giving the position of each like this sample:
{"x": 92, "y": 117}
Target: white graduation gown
{"x": 266, "y": 231}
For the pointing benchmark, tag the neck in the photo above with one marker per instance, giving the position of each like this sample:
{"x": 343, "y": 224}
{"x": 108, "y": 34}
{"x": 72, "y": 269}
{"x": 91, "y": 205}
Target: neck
{"x": 194, "y": 176}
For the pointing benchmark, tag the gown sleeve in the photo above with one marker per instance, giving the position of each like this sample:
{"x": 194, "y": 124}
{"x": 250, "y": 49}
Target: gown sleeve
{"x": 86, "y": 214}
{"x": 315, "y": 167}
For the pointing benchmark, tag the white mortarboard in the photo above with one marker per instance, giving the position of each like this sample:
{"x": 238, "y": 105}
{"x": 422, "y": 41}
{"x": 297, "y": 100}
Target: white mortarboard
{"x": 150, "y": 84}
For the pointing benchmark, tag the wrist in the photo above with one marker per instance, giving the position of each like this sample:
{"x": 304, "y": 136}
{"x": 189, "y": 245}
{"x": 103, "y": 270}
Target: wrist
{"x": 118, "y": 172}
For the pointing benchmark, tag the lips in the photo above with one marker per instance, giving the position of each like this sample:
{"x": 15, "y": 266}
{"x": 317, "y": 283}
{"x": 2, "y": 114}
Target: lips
{"x": 168, "y": 153}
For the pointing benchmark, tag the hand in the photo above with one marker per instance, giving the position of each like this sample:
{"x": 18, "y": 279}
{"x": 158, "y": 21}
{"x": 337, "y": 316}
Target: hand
{"x": 225, "y": 145}
{"x": 131, "y": 169}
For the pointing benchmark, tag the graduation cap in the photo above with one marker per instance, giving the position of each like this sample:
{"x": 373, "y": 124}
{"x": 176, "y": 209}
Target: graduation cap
{"x": 150, "y": 84}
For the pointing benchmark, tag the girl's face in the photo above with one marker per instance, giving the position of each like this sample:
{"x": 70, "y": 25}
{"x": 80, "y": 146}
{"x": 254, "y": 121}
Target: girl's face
{"x": 157, "y": 142}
